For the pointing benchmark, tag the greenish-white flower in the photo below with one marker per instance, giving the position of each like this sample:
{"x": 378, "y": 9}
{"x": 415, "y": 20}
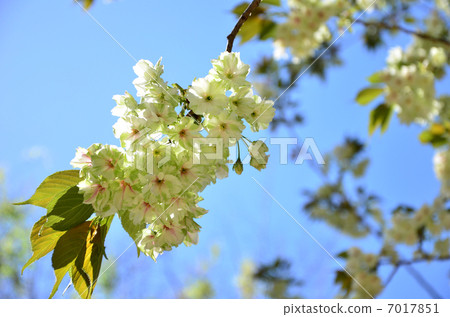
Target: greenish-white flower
{"x": 261, "y": 115}
{"x": 226, "y": 125}
{"x": 230, "y": 70}
{"x": 207, "y": 96}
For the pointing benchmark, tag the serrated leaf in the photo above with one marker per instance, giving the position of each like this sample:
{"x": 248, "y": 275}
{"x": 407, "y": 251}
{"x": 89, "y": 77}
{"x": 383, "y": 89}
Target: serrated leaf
{"x": 81, "y": 282}
{"x": 43, "y": 241}
{"x": 86, "y": 270}
{"x": 53, "y": 186}
{"x": 66, "y": 251}
{"x": 69, "y": 211}
{"x": 367, "y": 95}
{"x": 380, "y": 117}
{"x": 59, "y": 275}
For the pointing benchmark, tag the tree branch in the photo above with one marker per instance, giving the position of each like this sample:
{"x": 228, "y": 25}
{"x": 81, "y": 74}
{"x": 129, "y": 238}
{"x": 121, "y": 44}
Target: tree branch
{"x": 423, "y": 282}
{"x": 383, "y": 25}
{"x": 252, "y": 6}
{"x": 414, "y": 273}
{"x": 425, "y": 258}
{"x": 391, "y": 276}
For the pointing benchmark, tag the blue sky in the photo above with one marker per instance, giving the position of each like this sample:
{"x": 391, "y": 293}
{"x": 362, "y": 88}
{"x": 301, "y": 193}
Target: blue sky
{"x": 59, "y": 71}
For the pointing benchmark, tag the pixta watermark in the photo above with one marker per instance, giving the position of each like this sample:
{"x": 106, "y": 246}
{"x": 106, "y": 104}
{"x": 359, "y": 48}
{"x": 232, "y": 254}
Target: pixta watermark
{"x": 150, "y": 156}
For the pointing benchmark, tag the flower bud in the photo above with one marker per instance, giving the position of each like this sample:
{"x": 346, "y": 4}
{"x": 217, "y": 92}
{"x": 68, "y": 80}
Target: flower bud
{"x": 238, "y": 167}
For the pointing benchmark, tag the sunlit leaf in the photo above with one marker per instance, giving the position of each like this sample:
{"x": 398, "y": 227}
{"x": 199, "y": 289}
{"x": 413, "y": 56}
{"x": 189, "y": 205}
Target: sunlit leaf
{"x": 43, "y": 241}
{"x": 272, "y": 2}
{"x": 376, "y": 78}
{"x": 86, "y": 269}
{"x": 367, "y": 95}
{"x": 436, "y": 140}
{"x": 53, "y": 187}
{"x": 251, "y": 27}
{"x": 240, "y": 8}
{"x": 437, "y": 129}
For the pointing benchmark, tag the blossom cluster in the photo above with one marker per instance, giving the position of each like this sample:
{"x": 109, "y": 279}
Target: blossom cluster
{"x": 409, "y": 79}
{"x": 407, "y": 228}
{"x": 349, "y": 221}
{"x": 330, "y": 202}
{"x": 305, "y": 29}
{"x": 442, "y": 170}
{"x": 363, "y": 266}
{"x": 174, "y": 143}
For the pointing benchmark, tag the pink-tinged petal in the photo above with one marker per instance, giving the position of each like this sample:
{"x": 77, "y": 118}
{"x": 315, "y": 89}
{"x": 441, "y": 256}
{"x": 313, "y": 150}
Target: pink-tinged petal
{"x": 97, "y": 189}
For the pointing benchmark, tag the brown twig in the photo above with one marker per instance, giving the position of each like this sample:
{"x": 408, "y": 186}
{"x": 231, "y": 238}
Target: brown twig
{"x": 386, "y": 26}
{"x": 252, "y": 6}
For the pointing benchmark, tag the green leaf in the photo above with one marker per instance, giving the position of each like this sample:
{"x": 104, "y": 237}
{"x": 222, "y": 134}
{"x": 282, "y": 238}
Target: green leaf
{"x": 86, "y": 270}
{"x": 240, "y": 8}
{"x": 66, "y": 251}
{"x": 43, "y": 241}
{"x": 376, "y": 78}
{"x": 59, "y": 275}
{"x": 437, "y": 128}
{"x": 273, "y": 2}
{"x": 53, "y": 187}
{"x": 250, "y": 28}
{"x": 69, "y": 211}
{"x": 426, "y": 136}
{"x": 345, "y": 281}
{"x": 380, "y": 117}
{"x": 133, "y": 230}
{"x": 367, "y": 95}
{"x": 436, "y": 140}
{"x": 81, "y": 281}
{"x": 268, "y": 30}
